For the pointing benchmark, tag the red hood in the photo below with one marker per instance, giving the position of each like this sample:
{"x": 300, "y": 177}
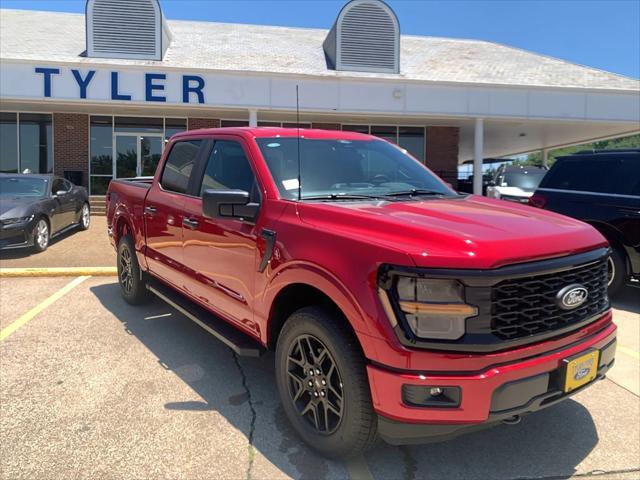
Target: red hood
{"x": 471, "y": 232}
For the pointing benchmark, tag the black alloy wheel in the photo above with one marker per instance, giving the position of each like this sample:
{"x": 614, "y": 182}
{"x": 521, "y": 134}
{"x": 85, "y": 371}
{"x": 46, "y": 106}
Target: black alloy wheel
{"x": 315, "y": 386}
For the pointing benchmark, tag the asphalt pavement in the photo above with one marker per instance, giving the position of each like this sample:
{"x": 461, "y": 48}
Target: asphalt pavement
{"x": 91, "y": 387}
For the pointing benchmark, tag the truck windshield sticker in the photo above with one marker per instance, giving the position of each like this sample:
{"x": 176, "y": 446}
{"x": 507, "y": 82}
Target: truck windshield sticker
{"x": 290, "y": 184}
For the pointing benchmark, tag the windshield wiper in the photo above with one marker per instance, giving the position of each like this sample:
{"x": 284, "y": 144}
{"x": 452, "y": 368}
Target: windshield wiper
{"x": 341, "y": 196}
{"x": 413, "y": 192}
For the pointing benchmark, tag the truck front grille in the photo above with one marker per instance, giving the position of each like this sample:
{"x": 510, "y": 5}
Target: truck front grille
{"x": 527, "y": 306}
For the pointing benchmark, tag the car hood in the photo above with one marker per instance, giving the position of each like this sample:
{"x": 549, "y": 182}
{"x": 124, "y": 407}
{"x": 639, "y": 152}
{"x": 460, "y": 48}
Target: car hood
{"x": 514, "y": 191}
{"x": 462, "y": 232}
{"x": 16, "y": 207}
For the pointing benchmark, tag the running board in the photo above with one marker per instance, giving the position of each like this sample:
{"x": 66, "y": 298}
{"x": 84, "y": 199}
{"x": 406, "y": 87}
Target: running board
{"x": 237, "y": 341}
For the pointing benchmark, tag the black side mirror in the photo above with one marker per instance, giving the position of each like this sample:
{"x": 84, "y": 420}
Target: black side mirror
{"x": 228, "y": 204}
{"x": 61, "y": 193}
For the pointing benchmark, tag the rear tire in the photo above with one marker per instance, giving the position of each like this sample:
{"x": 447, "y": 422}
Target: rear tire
{"x": 85, "y": 217}
{"x": 323, "y": 386}
{"x": 130, "y": 277}
{"x": 617, "y": 270}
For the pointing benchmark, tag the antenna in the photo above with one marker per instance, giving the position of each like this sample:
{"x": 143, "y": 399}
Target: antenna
{"x": 298, "y": 136}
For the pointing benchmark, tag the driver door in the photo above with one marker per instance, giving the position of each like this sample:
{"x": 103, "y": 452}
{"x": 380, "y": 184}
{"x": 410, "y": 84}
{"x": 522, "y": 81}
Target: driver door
{"x": 221, "y": 254}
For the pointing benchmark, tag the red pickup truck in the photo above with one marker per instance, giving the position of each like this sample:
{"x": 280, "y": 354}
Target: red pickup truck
{"x": 397, "y": 307}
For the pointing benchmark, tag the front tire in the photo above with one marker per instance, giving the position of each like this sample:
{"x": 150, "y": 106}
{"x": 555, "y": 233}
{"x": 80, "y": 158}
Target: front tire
{"x": 130, "y": 277}
{"x": 85, "y": 217}
{"x": 617, "y": 273}
{"x": 41, "y": 235}
{"x": 323, "y": 386}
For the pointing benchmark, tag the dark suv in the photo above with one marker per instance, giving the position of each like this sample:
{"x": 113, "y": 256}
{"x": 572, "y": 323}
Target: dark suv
{"x": 602, "y": 188}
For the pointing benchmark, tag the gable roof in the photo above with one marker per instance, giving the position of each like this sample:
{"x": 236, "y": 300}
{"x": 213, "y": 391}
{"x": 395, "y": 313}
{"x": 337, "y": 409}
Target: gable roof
{"x": 206, "y": 46}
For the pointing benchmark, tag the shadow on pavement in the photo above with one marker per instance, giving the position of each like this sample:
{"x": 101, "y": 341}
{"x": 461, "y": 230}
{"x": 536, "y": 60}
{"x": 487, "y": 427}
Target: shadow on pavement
{"x": 29, "y": 251}
{"x": 628, "y": 299}
{"x": 548, "y": 443}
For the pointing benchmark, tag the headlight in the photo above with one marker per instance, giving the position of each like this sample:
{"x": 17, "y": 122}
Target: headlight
{"x": 433, "y": 308}
{"x": 12, "y": 221}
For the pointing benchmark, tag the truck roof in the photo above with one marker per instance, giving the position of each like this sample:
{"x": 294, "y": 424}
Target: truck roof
{"x": 267, "y": 132}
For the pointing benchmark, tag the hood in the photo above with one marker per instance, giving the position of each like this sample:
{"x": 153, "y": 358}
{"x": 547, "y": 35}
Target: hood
{"x": 514, "y": 191}
{"x": 15, "y": 207}
{"x": 463, "y": 232}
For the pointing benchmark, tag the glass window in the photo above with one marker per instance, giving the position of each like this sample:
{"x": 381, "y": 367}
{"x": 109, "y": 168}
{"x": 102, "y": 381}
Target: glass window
{"x": 36, "y": 143}
{"x": 179, "y": 165}
{"x": 173, "y": 126}
{"x": 296, "y": 125}
{"x": 269, "y": 124}
{"x": 99, "y": 185}
{"x": 412, "y": 139}
{"x": 356, "y": 128}
{"x": 330, "y": 168}
{"x": 228, "y": 168}
{"x": 58, "y": 185}
{"x": 8, "y": 142}
{"x": 388, "y": 133}
{"x": 139, "y": 124}
{"x": 101, "y": 145}
{"x": 234, "y": 123}
{"x": 23, "y": 186}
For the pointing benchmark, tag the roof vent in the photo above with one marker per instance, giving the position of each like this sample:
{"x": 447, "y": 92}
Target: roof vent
{"x": 364, "y": 38}
{"x": 126, "y": 29}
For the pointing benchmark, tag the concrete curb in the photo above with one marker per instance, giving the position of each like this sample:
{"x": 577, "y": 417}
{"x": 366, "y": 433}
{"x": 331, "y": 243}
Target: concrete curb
{"x": 58, "y": 272}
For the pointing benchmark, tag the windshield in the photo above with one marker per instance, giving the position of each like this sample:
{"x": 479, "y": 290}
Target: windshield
{"x": 334, "y": 168}
{"x": 22, "y": 187}
{"x": 527, "y": 181}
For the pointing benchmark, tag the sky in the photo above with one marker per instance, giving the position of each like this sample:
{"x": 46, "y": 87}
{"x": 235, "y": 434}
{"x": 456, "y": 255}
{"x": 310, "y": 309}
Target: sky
{"x": 603, "y": 34}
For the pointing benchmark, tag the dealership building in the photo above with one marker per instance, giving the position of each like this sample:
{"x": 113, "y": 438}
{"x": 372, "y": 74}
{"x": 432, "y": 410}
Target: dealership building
{"x": 95, "y": 96}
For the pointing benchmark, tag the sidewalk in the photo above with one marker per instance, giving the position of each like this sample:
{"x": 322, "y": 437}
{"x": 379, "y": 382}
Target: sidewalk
{"x": 75, "y": 248}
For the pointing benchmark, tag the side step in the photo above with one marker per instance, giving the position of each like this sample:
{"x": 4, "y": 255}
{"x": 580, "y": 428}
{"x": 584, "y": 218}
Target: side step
{"x": 237, "y": 341}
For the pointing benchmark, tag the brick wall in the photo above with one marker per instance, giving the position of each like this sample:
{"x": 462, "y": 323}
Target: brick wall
{"x": 442, "y": 152}
{"x": 197, "y": 123}
{"x": 71, "y": 143}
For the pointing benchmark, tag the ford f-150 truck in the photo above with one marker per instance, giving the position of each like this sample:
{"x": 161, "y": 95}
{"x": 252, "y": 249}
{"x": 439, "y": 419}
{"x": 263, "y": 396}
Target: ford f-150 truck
{"x": 397, "y": 308}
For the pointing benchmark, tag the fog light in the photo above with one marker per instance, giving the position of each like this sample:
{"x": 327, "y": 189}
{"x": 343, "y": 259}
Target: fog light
{"x": 434, "y": 397}
{"x": 435, "y": 391}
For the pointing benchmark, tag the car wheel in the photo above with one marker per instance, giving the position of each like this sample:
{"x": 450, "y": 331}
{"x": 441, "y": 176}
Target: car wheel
{"x": 617, "y": 270}
{"x": 85, "y": 217}
{"x": 130, "y": 276}
{"x": 41, "y": 235}
{"x": 323, "y": 386}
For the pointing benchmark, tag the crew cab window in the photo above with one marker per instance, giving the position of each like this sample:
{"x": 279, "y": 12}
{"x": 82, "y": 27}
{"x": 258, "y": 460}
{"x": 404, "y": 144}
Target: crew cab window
{"x": 228, "y": 168}
{"x": 179, "y": 164}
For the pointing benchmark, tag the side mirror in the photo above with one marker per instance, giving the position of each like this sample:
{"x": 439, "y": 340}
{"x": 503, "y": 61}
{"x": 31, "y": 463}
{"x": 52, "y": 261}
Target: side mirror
{"x": 61, "y": 193}
{"x": 491, "y": 183}
{"x": 228, "y": 204}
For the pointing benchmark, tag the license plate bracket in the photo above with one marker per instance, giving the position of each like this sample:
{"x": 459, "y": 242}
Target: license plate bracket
{"x": 580, "y": 369}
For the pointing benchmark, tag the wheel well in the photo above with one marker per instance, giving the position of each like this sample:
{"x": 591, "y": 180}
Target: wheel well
{"x": 122, "y": 228}
{"x": 294, "y": 297}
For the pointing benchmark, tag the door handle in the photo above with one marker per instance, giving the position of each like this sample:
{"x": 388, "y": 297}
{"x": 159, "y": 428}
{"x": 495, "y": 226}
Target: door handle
{"x": 150, "y": 210}
{"x": 190, "y": 223}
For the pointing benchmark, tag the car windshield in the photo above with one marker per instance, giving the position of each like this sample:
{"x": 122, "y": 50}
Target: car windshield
{"x": 22, "y": 187}
{"x": 350, "y": 169}
{"x": 527, "y": 180}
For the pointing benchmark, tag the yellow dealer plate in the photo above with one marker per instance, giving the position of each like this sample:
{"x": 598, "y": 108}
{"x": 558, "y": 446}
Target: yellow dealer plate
{"x": 580, "y": 370}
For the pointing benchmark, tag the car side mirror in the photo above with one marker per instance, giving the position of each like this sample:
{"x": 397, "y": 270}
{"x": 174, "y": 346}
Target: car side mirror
{"x": 228, "y": 204}
{"x": 491, "y": 183}
{"x": 61, "y": 193}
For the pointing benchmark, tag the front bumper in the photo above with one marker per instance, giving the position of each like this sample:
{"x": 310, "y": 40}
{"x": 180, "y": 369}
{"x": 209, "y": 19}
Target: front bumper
{"x": 497, "y": 393}
{"x": 17, "y": 235}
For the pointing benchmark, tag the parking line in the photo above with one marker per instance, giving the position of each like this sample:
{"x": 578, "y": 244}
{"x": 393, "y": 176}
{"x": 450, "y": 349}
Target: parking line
{"x": 58, "y": 272}
{"x": 15, "y": 325}
{"x": 629, "y": 351}
{"x": 358, "y": 469}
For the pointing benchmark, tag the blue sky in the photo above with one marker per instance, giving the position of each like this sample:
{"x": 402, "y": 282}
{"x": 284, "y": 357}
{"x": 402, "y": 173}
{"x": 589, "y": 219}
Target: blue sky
{"x": 603, "y": 34}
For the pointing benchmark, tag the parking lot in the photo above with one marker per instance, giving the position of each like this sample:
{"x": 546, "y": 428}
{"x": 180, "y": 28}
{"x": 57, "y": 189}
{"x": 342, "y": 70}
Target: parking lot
{"x": 91, "y": 387}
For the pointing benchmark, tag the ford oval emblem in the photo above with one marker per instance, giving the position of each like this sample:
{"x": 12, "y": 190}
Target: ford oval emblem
{"x": 571, "y": 296}
{"x": 580, "y": 374}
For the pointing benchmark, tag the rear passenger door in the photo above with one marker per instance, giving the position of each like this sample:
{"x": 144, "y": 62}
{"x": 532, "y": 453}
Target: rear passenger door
{"x": 163, "y": 211}
{"x": 220, "y": 254}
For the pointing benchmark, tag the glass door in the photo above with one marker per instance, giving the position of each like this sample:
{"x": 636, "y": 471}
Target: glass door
{"x": 126, "y": 156}
{"x": 136, "y": 155}
{"x": 150, "y": 152}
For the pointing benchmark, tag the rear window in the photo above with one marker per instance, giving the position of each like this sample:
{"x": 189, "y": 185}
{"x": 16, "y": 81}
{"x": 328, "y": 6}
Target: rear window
{"x": 600, "y": 174}
{"x": 180, "y": 163}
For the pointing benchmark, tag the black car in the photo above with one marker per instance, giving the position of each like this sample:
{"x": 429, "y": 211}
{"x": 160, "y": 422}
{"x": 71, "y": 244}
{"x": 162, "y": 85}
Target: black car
{"x": 35, "y": 208}
{"x": 602, "y": 188}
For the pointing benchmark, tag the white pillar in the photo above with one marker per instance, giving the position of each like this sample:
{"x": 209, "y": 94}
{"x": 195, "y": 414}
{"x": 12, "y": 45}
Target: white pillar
{"x": 478, "y": 156}
{"x": 253, "y": 118}
{"x": 545, "y": 157}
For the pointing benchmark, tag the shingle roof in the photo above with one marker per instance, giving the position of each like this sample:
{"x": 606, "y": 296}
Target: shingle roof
{"x": 60, "y": 37}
